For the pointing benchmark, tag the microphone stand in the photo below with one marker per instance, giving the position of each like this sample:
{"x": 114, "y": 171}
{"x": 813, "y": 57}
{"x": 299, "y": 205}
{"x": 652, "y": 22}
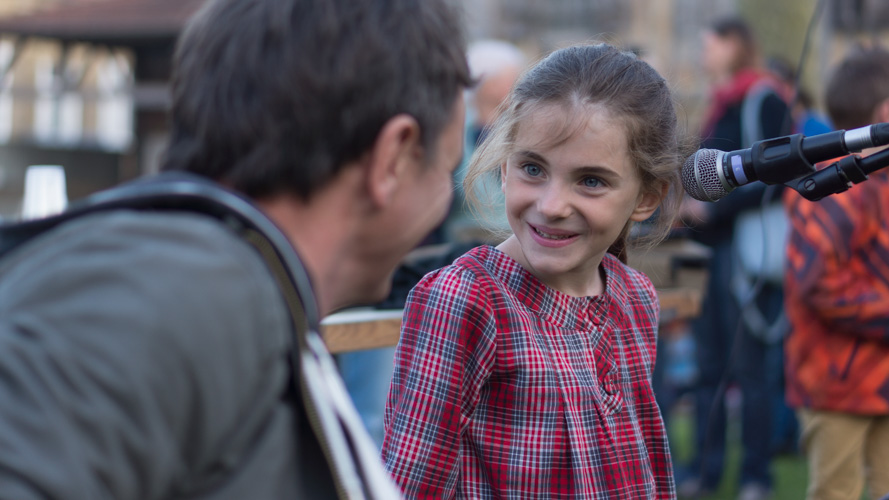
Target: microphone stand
{"x": 839, "y": 176}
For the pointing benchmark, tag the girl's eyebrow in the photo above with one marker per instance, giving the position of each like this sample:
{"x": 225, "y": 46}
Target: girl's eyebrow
{"x": 531, "y": 155}
{"x": 597, "y": 170}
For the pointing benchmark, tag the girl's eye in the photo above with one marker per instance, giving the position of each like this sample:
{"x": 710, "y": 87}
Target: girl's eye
{"x": 591, "y": 182}
{"x": 532, "y": 169}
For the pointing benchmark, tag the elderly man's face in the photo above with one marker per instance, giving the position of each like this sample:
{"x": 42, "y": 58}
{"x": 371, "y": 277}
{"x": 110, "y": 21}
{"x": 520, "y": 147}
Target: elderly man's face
{"x": 491, "y": 92}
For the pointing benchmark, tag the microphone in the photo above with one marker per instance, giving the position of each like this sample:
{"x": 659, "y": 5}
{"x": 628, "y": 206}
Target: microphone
{"x": 711, "y": 174}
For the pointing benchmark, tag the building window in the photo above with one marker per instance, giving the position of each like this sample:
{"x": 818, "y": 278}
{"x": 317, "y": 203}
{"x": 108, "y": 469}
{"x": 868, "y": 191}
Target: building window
{"x": 860, "y": 15}
{"x": 6, "y": 81}
{"x": 58, "y": 110}
{"x": 114, "y": 127}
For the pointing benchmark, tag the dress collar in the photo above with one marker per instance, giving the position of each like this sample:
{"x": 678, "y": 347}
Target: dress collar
{"x": 552, "y": 305}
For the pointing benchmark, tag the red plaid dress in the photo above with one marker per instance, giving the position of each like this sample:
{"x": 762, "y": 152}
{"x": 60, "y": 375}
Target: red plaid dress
{"x": 505, "y": 388}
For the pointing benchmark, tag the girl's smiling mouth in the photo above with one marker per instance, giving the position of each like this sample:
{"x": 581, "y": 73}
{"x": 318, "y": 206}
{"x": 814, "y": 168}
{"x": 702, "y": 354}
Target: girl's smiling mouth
{"x": 550, "y": 237}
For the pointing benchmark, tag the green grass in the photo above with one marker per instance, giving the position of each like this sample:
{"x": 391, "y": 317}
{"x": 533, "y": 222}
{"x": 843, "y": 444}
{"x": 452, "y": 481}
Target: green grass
{"x": 788, "y": 471}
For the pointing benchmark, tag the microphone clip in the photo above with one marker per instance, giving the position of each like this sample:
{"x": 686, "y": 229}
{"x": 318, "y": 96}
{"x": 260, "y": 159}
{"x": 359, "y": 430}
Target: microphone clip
{"x": 838, "y": 176}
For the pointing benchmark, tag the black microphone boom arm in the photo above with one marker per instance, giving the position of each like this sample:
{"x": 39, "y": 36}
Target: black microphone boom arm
{"x": 710, "y": 174}
{"x": 771, "y": 161}
{"x": 839, "y": 176}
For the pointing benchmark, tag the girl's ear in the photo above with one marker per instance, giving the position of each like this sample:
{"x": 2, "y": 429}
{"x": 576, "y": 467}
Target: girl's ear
{"x": 503, "y": 177}
{"x": 648, "y": 202}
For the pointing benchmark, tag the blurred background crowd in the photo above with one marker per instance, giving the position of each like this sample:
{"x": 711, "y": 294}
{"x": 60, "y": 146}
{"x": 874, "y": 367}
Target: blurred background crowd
{"x": 83, "y": 85}
{"x": 84, "y": 81}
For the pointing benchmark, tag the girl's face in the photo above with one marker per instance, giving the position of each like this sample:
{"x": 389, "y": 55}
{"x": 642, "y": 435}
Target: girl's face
{"x": 568, "y": 201}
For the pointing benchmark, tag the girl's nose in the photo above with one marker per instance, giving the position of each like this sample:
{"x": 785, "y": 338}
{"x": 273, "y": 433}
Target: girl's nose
{"x": 554, "y": 202}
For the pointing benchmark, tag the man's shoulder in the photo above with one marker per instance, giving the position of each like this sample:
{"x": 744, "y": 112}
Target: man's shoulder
{"x": 165, "y": 327}
{"x": 176, "y": 272}
{"x": 126, "y": 228}
{"x": 126, "y": 235}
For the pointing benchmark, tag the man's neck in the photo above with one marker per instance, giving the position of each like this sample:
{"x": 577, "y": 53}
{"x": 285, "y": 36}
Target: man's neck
{"x": 320, "y": 232}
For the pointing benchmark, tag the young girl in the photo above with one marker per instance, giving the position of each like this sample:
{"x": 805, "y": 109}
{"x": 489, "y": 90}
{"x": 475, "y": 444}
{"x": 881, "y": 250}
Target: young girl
{"x": 524, "y": 371}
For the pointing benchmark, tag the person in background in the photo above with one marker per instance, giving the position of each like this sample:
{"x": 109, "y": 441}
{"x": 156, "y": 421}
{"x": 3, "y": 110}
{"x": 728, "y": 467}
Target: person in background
{"x": 746, "y": 105}
{"x": 524, "y": 370}
{"x": 495, "y": 65}
{"x": 148, "y": 354}
{"x": 837, "y": 299}
{"x": 807, "y": 118}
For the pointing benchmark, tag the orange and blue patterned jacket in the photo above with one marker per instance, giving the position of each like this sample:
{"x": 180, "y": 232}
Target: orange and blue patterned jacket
{"x": 837, "y": 300}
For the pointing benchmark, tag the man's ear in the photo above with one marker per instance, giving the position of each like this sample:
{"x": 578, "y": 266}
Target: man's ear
{"x": 396, "y": 150}
{"x": 648, "y": 202}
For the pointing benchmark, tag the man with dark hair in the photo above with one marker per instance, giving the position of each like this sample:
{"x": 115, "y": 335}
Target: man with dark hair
{"x": 837, "y": 300}
{"x": 150, "y": 354}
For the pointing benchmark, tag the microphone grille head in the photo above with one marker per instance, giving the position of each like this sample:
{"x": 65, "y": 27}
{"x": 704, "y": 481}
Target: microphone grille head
{"x": 700, "y": 177}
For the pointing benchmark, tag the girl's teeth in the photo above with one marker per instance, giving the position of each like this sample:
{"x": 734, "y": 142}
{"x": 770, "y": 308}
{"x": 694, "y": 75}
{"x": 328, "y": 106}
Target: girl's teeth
{"x": 550, "y": 236}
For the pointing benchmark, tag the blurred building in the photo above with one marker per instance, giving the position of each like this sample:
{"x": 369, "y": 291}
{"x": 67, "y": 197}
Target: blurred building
{"x": 84, "y": 84}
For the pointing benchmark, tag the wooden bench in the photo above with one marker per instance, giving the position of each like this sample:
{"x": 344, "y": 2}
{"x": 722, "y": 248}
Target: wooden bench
{"x": 355, "y": 330}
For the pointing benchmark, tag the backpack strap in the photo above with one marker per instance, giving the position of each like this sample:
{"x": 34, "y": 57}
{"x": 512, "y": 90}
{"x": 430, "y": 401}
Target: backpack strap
{"x": 760, "y": 234}
{"x": 751, "y": 113}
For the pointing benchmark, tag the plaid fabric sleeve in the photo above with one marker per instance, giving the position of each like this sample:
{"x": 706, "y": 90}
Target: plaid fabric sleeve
{"x": 651, "y": 312}
{"x": 647, "y": 311}
{"x": 444, "y": 356}
{"x": 838, "y": 263}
